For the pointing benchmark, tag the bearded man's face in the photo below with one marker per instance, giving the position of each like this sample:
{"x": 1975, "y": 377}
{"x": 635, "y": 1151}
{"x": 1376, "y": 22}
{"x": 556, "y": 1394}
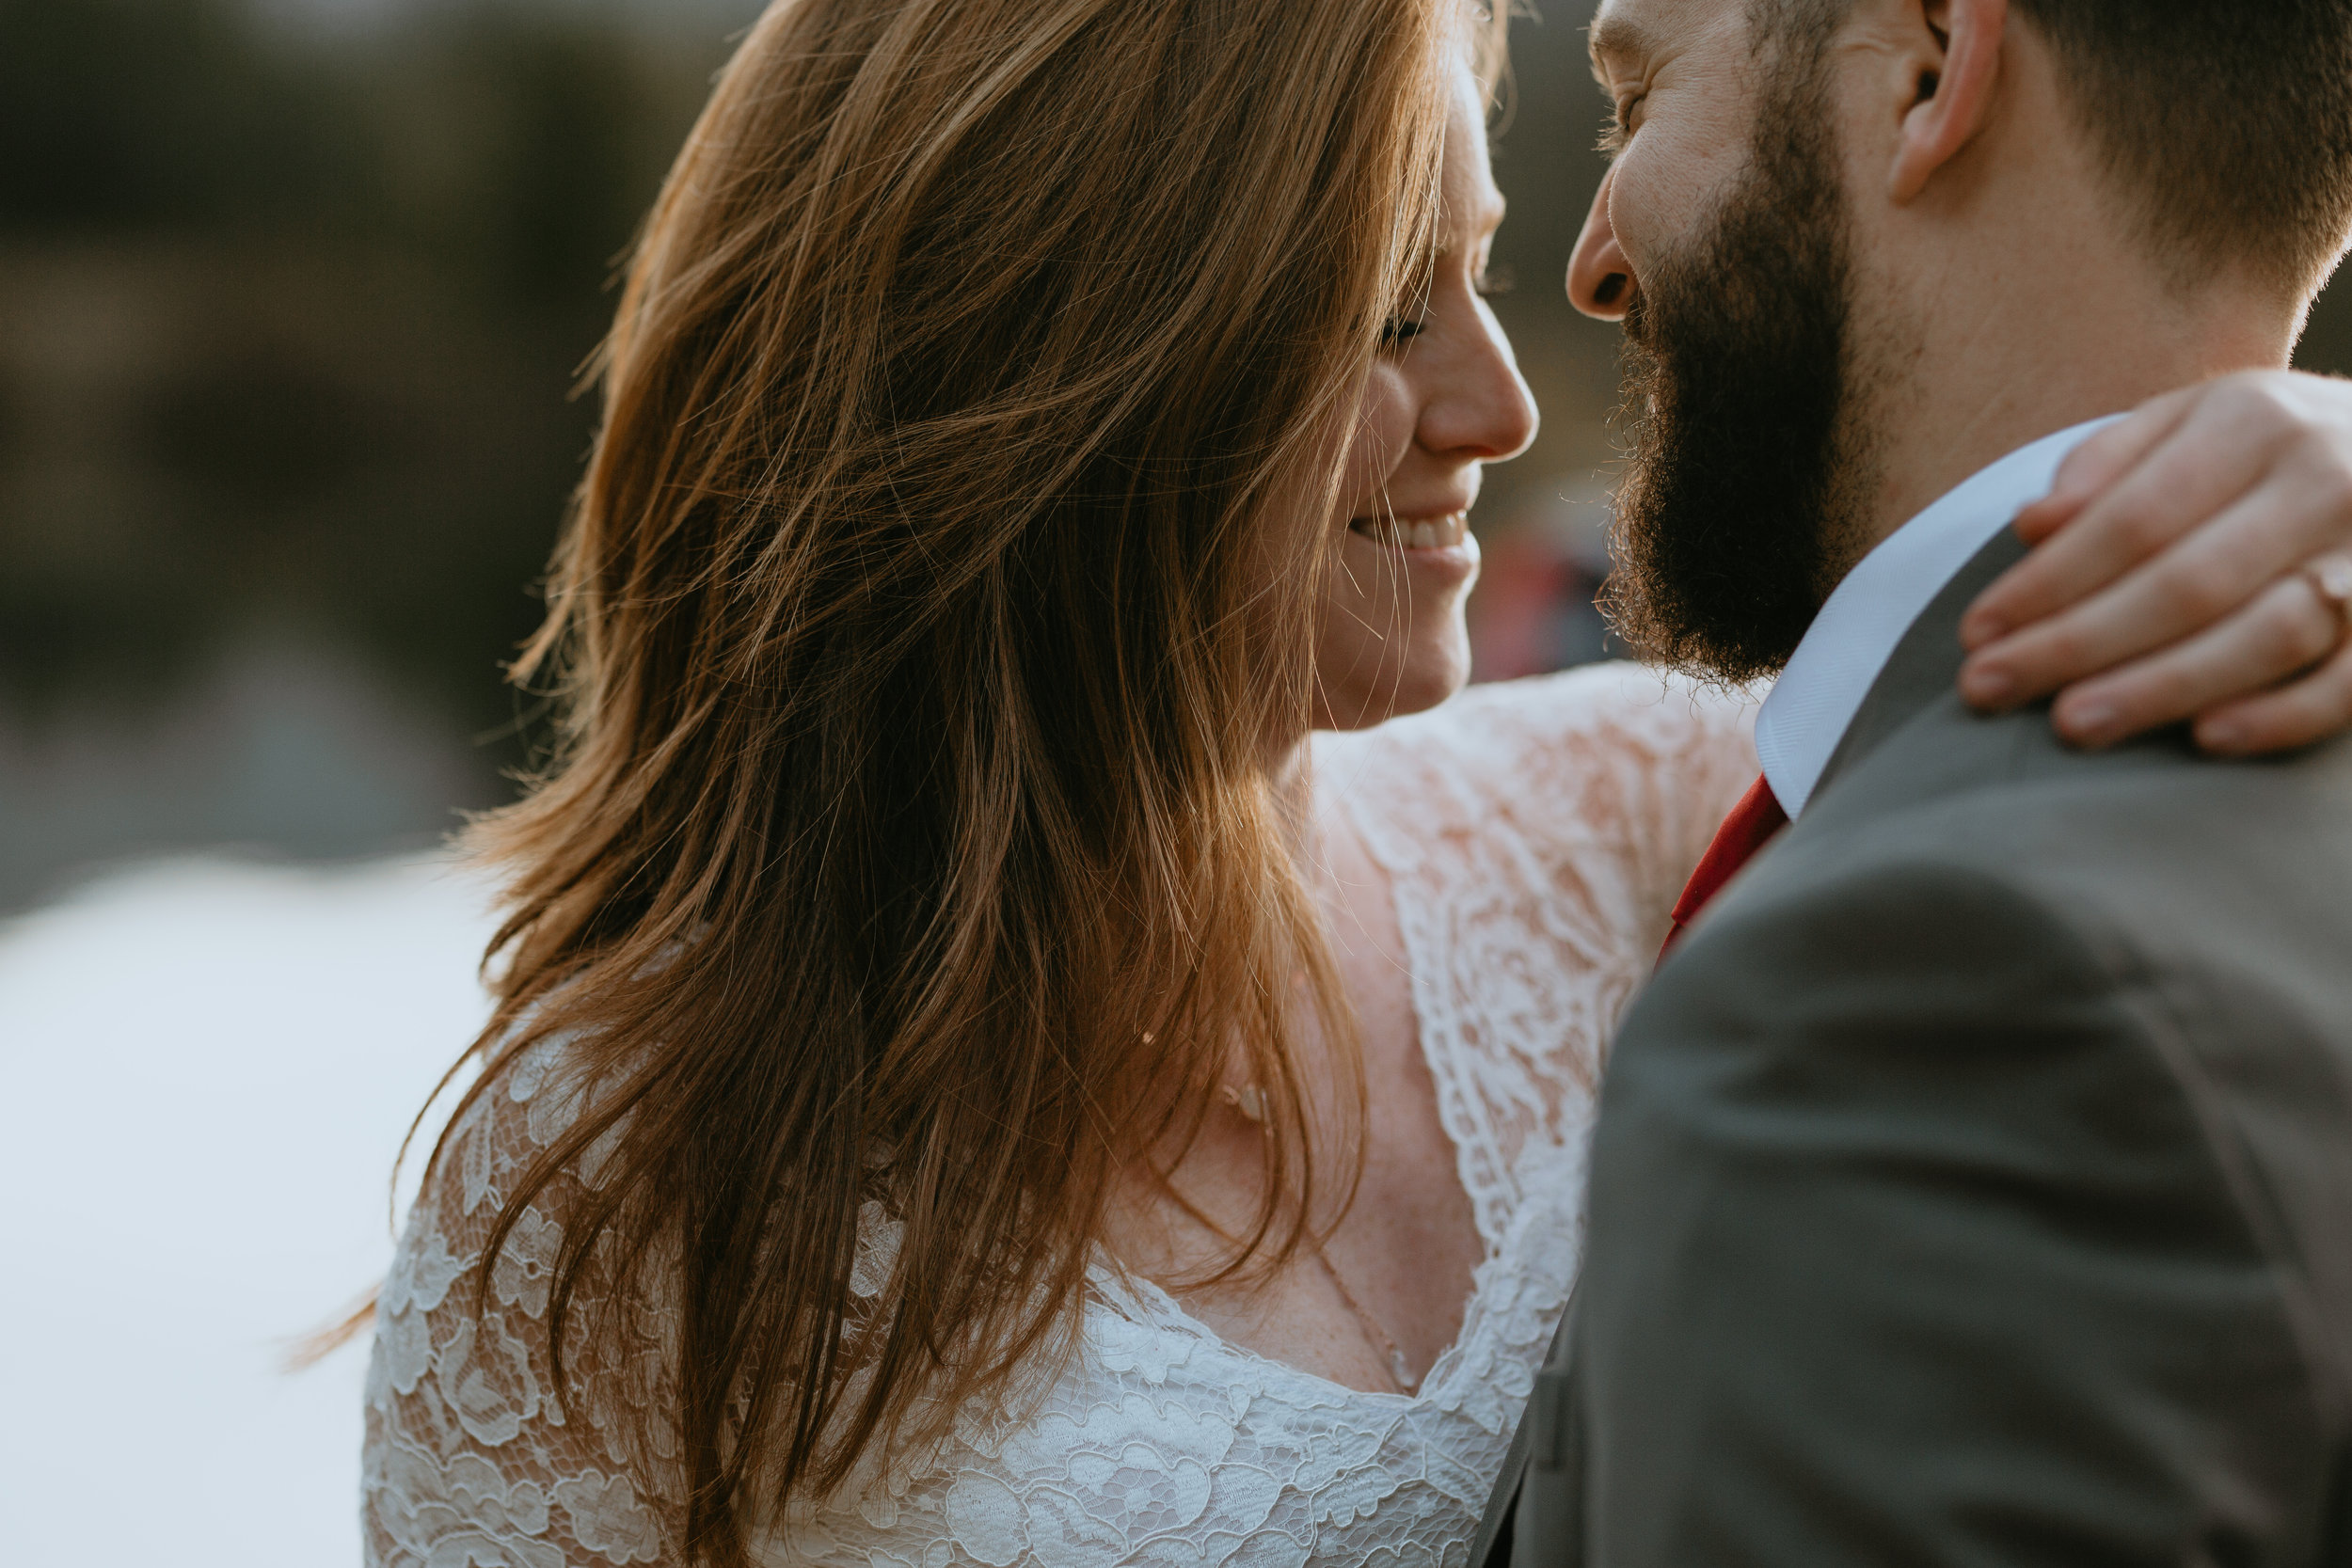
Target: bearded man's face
{"x": 1740, "y": 504}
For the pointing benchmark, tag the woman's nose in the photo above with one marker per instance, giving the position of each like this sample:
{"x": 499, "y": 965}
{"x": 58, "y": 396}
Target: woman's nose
{"x": 1601, "y": 279}
{"x": 1484, "y": 410}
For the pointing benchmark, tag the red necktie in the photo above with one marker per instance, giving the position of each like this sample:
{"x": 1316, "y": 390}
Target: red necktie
{"x": 1748, "y": 828}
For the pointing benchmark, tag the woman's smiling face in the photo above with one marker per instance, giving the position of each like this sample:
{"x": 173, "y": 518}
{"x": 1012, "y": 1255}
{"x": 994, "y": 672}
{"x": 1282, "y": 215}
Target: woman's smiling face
{"x": 1444, "y": 399}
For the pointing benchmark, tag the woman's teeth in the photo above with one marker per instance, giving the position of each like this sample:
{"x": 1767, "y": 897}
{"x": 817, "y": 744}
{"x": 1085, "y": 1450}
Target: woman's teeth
{"x": 1435, "y": 533}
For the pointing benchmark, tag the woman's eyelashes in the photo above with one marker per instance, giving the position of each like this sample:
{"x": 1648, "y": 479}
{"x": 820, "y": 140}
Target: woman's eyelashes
{"x": 1399, "y": 330}
{"x": 1487, "y": 283}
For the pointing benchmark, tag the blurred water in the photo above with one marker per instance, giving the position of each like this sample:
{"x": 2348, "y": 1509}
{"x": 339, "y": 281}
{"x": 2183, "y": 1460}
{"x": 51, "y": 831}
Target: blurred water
{"x": 209, "y": 1067}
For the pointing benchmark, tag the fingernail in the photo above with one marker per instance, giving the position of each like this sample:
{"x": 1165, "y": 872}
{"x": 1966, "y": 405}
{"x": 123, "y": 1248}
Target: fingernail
{"x": 2091, "y": 723}
{"x": 1989, "y": 687}
{"x": 2221, "y": 735}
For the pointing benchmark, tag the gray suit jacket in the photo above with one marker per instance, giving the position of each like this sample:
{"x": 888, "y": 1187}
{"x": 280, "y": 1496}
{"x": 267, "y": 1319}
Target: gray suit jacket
{"x": 1974, "y": 1186}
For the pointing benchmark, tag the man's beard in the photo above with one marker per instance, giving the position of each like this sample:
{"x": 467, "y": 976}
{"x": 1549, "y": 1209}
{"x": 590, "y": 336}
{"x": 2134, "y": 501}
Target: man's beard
{"x": 1740, "y": 504}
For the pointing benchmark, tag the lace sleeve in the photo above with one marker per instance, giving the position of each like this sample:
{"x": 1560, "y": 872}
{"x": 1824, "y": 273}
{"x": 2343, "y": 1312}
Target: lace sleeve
{"x": 1596, "y": 789}
{"x": 1537, "y": 834}
{"x": 469, "y": 1457}
{"x": 1616, "y": 768}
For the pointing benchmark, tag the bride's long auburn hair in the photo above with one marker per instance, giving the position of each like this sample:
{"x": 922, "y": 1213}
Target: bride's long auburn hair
{"x": 943, "y": 583}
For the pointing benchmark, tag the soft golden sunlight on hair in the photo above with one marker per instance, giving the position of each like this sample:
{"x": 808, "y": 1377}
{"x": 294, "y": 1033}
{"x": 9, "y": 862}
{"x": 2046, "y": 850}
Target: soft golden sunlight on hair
{"x": 918, "y": 632}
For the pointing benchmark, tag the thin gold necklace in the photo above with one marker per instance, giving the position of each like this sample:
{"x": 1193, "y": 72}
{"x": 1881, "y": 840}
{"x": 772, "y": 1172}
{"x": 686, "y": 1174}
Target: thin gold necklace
{"x": 1250, "y": 1102}
{"x": 1382, "y": 1343}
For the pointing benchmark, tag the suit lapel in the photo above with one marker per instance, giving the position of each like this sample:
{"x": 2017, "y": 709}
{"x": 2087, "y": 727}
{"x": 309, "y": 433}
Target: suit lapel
{"x": 1919, "y": 674}
{"x": 1925, "y": 663}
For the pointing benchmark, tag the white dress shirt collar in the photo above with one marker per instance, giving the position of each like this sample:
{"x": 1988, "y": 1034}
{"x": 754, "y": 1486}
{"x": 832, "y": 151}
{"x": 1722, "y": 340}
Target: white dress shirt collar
{"x": 1857, "y": 631}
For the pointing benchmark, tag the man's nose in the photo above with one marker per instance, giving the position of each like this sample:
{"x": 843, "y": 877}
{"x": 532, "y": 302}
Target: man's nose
{"x": 1601, "y": 279}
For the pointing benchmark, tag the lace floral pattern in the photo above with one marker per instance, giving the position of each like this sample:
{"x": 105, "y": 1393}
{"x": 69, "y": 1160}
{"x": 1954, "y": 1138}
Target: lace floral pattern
{"x": 1537, "y": 834}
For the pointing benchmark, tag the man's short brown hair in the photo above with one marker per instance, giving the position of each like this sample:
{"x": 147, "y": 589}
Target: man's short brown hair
{"x": 2227, "y": 124}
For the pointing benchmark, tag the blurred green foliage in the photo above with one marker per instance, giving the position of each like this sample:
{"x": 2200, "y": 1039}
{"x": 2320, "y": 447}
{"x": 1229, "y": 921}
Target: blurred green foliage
{"x": 290, "y": 320}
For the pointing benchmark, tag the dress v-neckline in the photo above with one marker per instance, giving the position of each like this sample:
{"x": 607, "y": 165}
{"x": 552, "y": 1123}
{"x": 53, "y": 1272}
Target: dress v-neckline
{"x": 1163, "y": 1303}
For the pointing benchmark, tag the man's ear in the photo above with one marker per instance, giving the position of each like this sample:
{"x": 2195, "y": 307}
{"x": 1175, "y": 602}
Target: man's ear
{"x": 1956, "y": 81}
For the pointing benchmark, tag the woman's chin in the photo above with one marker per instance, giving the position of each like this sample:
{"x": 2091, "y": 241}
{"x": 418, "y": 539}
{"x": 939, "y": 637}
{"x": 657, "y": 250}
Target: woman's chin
{"x": 1429, "y": 677}
{"x": 1422, "y": 589}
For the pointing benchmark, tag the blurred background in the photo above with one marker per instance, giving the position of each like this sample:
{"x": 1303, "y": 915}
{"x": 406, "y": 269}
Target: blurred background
{"x": 293, "y": 297}
{"x": 292, "y": 294}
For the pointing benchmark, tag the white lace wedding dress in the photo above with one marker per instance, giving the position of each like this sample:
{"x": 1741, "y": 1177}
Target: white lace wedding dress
{"x": 1537, "y": 834}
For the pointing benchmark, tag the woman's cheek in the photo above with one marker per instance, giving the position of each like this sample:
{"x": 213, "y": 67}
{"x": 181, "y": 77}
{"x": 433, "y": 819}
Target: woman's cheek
{"x": 1382, "y": 431}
